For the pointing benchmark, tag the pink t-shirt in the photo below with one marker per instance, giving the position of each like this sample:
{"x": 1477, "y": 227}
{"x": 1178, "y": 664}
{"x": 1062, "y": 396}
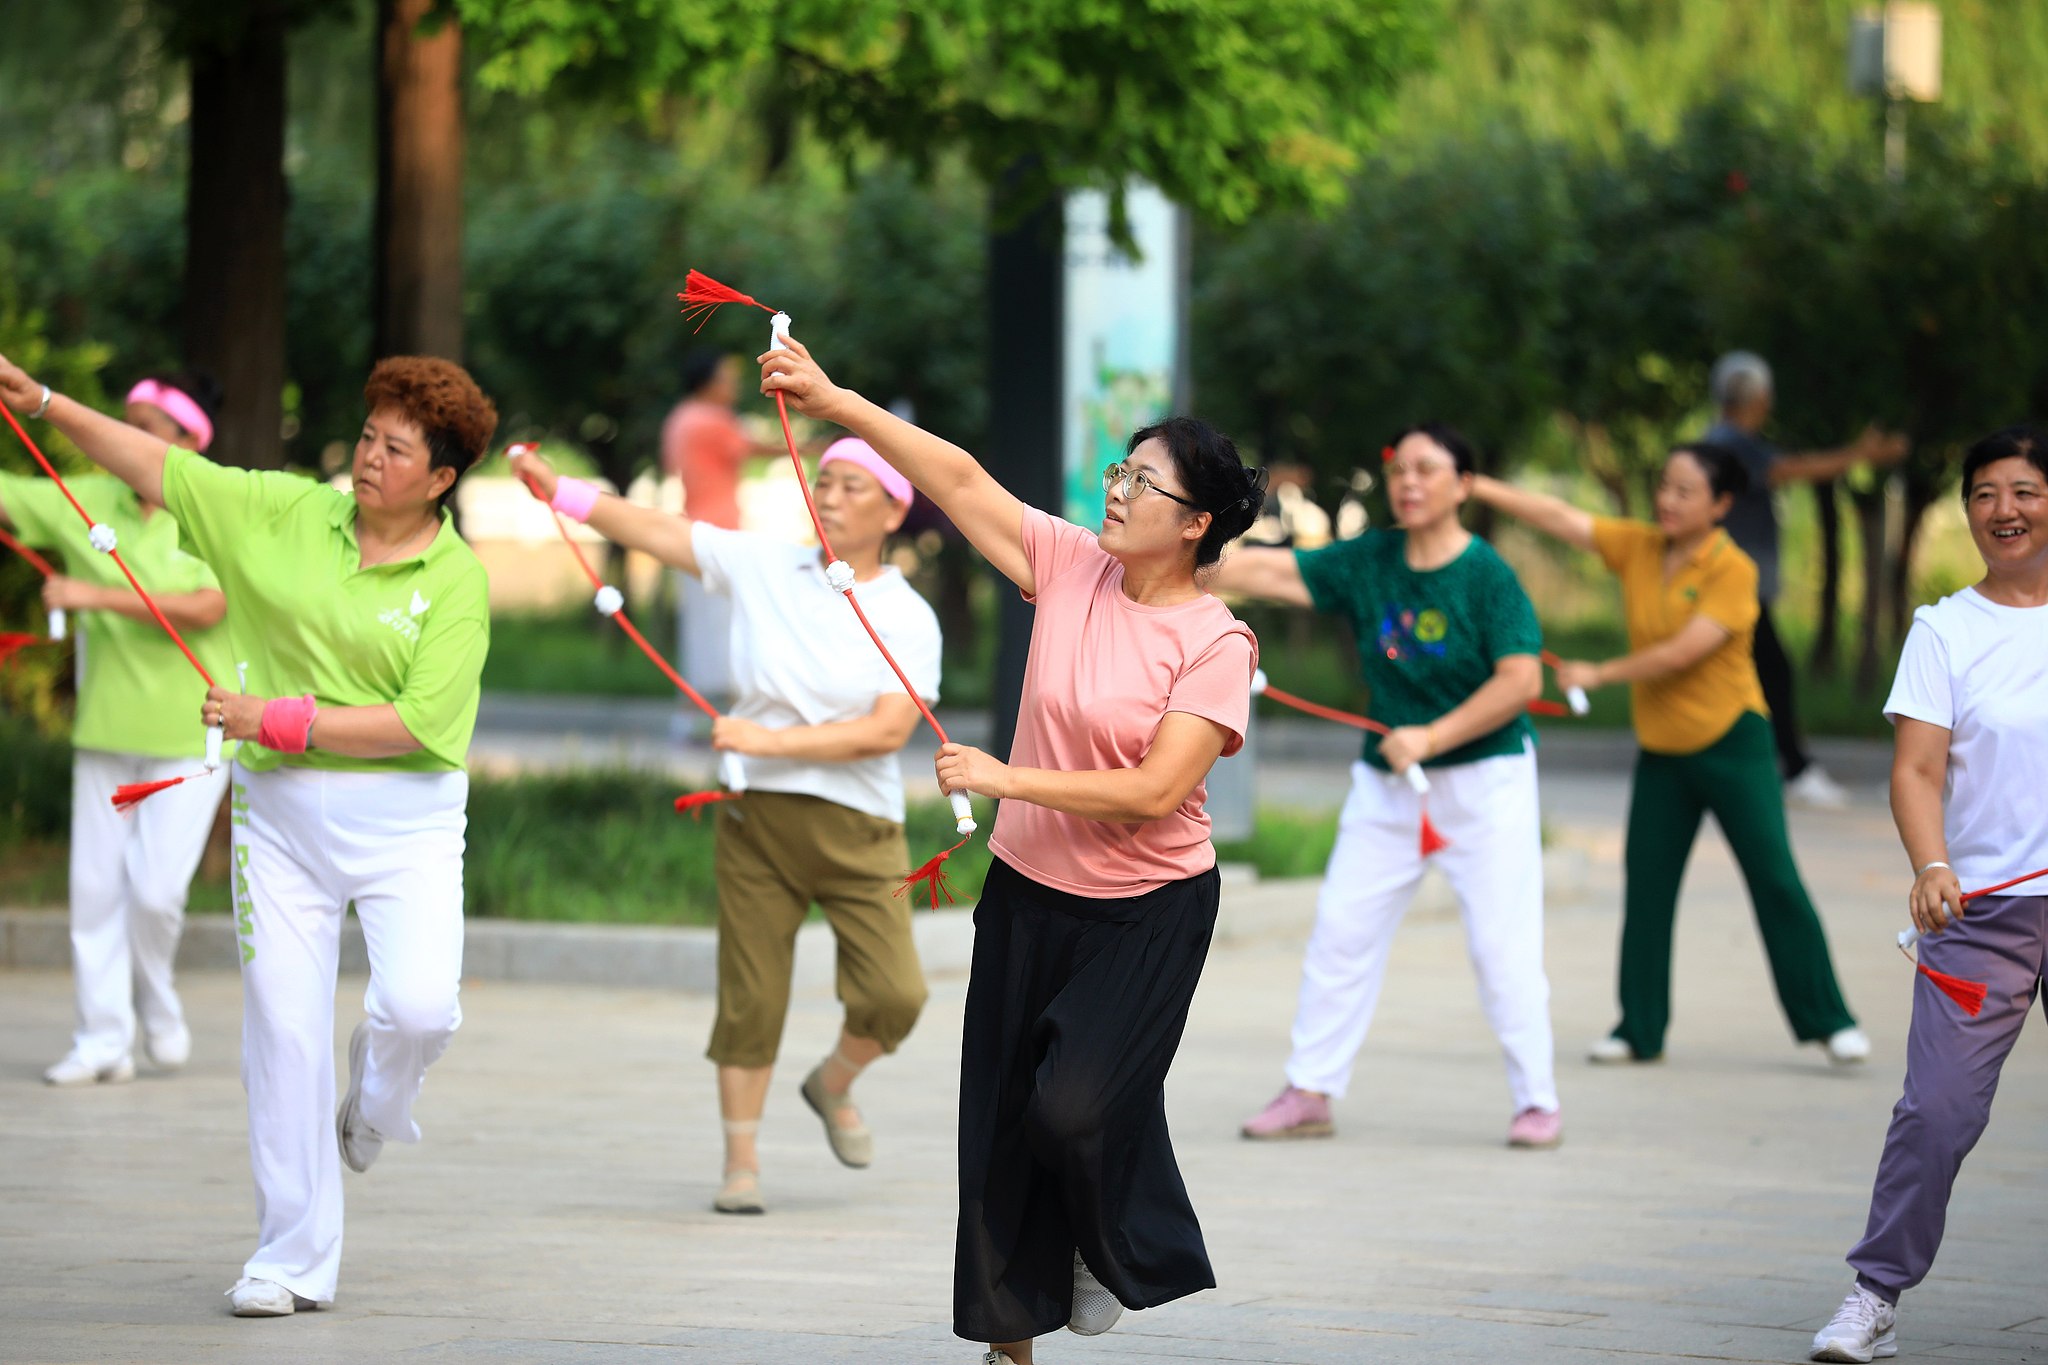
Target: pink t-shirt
{"x": 1103, "y": 672}
{"x": 704, "y": 445}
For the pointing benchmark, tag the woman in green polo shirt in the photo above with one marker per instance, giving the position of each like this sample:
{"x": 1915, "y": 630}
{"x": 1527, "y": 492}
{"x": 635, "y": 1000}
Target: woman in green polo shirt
{"x": 130, "y": 873}
{"x": 1688, "y": 595}
{"x": 359, "y": 622}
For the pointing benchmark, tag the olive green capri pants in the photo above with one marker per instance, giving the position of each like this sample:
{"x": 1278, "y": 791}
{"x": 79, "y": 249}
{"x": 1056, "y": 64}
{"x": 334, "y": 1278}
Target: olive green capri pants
{"x": 778, "y": 853}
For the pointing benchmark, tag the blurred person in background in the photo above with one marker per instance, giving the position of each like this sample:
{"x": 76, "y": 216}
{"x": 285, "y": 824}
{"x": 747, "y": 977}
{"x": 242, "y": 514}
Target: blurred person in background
{"x": 1743, "y": 397}
{"x": 131, "y": 871}
{"x": 704, "y": 446}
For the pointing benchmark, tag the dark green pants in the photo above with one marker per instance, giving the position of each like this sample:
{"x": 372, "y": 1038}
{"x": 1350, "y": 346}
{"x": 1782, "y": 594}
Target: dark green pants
{"x": 1736, "y": 778}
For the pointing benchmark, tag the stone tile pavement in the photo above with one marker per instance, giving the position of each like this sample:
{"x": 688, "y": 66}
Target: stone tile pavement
{"x": 558, "y": 1210}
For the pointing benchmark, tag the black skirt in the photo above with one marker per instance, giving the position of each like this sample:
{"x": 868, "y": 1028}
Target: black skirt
{"x": 1074, "y": 1011}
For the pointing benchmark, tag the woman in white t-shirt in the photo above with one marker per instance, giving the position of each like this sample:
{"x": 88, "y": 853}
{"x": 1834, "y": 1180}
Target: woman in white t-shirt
{"x": 820, "y": 718}
{"x": 1970, "y": 764}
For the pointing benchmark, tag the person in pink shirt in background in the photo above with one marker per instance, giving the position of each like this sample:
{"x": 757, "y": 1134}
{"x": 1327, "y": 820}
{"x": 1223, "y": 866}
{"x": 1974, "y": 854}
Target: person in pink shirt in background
{"x": 704, "y": 445}
{"x": 1096, "y": 917}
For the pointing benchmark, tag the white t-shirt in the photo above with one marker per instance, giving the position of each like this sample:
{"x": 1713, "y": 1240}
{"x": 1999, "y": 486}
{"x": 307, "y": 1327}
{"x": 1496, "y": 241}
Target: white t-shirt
{"x": 800, "y": 657}
{"x": 1980, "y": 671}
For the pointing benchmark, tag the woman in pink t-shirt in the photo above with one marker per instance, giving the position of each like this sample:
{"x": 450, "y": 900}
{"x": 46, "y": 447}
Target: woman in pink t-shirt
{"x": 1096, "y": 916}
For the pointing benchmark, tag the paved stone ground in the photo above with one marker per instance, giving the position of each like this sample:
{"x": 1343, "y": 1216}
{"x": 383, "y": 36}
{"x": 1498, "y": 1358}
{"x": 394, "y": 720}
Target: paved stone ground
{"x": 558, "y": 1209}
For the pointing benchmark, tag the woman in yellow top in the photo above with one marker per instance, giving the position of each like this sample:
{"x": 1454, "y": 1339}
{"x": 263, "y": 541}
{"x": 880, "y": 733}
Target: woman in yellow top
{"x": 1689, "y": 599}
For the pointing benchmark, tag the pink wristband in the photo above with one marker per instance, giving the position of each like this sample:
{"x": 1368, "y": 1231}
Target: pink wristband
{"x": 287, "y": 725}
{"x": 574, "y": 498}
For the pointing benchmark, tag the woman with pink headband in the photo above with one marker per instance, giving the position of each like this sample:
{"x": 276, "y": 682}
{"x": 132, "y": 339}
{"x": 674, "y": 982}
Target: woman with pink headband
{"x": 130, "y": 873}
{"x": 820, "y": 719}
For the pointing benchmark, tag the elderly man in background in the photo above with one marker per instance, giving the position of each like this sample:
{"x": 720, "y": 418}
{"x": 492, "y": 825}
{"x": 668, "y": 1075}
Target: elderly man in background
{"x": 1743, "y": 397}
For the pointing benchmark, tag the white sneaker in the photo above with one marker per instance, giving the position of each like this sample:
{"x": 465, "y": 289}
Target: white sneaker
{"x": 1816, "y": 790}
{"x": 1848, "y": 1046}
{"x": 1612, "y": 1051}
{"x": 1095, "y": 1308}
{"x": 1860, "y": 1331}
{"x": 264, "y": 1299}
{"x": 169, "y": 1051}
{"x": 74, "y": 1070}
{"x": 359, "y": 1142}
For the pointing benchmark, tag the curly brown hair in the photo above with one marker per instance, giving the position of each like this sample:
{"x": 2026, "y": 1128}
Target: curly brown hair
{"x": 440, "y": 398}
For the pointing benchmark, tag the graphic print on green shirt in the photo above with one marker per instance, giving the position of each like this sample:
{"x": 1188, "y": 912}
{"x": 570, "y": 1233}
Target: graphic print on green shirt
{"x": 1426, "y": 639}
{"x": 136, "y": 692}
{"x": 306, "y": 616}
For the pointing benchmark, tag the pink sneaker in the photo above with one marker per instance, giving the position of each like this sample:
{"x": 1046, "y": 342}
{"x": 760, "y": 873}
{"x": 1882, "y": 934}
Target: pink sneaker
{"x": 1293, "y": 1114}
{"x": 1536, "y": 1128}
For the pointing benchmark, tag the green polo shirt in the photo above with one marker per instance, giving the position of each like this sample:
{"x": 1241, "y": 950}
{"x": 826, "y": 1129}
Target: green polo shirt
{"x": 136, "y": 692}
{"x": 1427, "y": 639}
{"x": 306, "y": 618}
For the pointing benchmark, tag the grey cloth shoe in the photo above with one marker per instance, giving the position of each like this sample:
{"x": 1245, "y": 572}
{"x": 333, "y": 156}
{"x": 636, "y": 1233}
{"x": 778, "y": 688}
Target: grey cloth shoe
{"x": 359, "y": 1142}
{"x": 854, "y": 1144}
{"x": 741, "y": 1193}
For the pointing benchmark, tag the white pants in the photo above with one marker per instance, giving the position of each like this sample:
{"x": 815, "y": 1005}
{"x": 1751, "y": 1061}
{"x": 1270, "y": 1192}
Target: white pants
{"x": 1488, "y": 812}
{"x": 307, "y": 844}
{"x": 130, "y": 874}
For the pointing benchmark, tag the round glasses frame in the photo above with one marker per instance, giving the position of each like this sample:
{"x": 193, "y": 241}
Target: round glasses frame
{"x": 1136, "y": 485}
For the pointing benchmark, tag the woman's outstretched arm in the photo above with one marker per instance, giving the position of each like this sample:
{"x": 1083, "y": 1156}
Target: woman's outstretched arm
{"x": 131, "y": 455}
{"x": 1552, "y": 516}
{"x": 988, "y": 514}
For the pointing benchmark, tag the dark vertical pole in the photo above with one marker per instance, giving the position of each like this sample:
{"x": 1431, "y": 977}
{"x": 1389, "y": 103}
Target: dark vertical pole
{"x": 234, "y": 235}
{"x": 417, "y": 277}
{"x": 1026, "y": 268}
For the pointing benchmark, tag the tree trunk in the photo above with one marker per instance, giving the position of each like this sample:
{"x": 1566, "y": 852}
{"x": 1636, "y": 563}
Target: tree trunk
{"x": 1920, "y": 496}
{"x": 1026, "y": 319}
{"x": 234, "y": 235}
{"x": 1826, "y": 658}
{"x": 1870, "y": 519}
{"x": 417, "y": 278}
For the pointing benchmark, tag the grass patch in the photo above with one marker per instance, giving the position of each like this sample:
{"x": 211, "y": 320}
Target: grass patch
{"x": 1285, "y": 843}
{"x": 578, "y": 653}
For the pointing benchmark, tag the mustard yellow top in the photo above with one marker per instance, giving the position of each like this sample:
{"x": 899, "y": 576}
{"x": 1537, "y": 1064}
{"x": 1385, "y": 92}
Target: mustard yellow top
{"x": 1685, "y": 712}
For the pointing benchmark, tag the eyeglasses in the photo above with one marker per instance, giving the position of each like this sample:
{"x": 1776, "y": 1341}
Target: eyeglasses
{"x": 1133, "y": 484}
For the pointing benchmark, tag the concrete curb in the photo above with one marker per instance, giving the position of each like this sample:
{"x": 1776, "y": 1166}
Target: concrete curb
{"x": 666, "y": 957}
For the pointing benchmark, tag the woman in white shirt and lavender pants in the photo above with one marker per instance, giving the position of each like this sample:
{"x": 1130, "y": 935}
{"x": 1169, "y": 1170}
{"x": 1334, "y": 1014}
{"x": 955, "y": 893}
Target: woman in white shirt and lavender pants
{"x": 1968, "y": 771}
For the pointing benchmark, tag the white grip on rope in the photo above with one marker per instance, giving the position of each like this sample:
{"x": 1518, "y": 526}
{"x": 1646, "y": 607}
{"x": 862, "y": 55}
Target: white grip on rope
{"x": 214, "y": 734}
{"x": 963, "y": 813}
{"x": 839, "y": 576}
{"x": 778, "y": 332}
{"x": 59, "y": 623}
{"x": 732, "y": 771}
{"x": 1417, "y": 779}
{"x": 1908, "y": 937}
{"x": 610, "y": 600}
{"x": 1258, "y": 682}
{"x": 103, "y": 538}
{"x": 1575, "y": 697}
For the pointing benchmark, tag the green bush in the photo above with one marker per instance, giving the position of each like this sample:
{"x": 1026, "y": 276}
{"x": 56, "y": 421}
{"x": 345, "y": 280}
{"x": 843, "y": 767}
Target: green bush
{"x": 35, "y": 784}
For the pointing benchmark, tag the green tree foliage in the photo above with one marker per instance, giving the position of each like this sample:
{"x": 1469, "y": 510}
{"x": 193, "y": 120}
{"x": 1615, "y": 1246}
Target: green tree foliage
{"x": 1231, "y": 106}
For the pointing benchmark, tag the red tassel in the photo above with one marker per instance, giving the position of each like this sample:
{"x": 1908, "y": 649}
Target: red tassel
{"x": 933, "y": 874}
{"x": 132, "y": 794}
{"x": 1432, "y": 841}
{"x": 1969, "y": 994}
{"x": 703, "y": 296}
{"x": 1544, "y": 706}
{"x": 695, "y": 802}
{"x": 11, "y": 643}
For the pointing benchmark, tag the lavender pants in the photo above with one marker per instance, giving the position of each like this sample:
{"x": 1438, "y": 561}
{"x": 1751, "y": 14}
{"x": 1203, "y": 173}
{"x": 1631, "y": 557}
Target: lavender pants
{"x": 1952, "y": 1065}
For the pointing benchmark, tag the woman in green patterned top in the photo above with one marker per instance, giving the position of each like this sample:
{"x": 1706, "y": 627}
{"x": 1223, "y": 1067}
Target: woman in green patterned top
{"x": 1450, "y": 652}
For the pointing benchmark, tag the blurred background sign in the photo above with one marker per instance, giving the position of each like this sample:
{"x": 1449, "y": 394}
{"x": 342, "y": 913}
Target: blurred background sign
{"x": 1895, "y": 51}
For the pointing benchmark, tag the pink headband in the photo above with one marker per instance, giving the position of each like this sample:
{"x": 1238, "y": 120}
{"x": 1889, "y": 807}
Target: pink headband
{"x": 854, "y": 451}
{"x": 179, "y": 407}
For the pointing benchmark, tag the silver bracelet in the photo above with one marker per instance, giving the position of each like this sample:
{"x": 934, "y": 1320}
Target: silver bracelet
{"x": 37, "y": 415}
{"x": 1923, "y": 871}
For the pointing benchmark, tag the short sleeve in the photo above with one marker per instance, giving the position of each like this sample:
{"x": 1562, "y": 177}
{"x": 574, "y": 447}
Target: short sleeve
{"x": 1053, "y": 547}
{"x": 1728, "y": 591}
{"x": 1330, "y": 574}
{"x": 213, "y": 502}
{"x": 913, "y": 638}
{"x": 727, "y": 560}
{"x": 1617, "y": 539}
{"x": 1922, "y": 689}
{"x": 1511, "y": 626}
{"x": 1217, "y": 686}
{"x": 37, "y": 509}
{"x": 440, "y": 692}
